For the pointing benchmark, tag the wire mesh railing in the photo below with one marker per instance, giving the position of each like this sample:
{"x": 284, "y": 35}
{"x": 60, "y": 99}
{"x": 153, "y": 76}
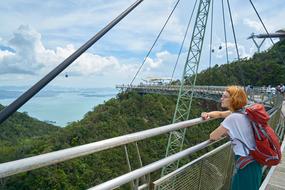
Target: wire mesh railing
{"x": 210, "y": 171}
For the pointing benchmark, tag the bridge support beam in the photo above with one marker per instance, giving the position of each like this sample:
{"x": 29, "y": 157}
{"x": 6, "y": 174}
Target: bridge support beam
{"x": 183, "y": 106}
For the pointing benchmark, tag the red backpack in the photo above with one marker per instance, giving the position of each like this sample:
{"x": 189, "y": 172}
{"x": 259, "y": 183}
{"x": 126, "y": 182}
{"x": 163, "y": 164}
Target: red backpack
{"x": 267, "y": 151}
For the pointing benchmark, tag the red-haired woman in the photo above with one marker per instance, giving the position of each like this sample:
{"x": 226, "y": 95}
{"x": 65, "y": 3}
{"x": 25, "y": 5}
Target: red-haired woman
{"x": 237, "y": 126}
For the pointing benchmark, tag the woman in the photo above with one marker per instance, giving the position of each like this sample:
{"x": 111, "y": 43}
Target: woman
{"x": 237, "y": 126}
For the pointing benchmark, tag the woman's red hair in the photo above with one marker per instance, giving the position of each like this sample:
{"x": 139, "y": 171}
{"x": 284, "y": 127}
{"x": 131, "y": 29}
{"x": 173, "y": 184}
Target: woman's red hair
{"x": 238, "y": 97}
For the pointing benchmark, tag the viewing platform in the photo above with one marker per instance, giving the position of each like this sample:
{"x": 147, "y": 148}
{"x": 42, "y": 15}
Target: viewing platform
{"x": 213, "y": 93}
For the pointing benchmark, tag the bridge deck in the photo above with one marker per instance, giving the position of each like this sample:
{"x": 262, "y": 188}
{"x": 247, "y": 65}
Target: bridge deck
{"x": 277, "y": 179}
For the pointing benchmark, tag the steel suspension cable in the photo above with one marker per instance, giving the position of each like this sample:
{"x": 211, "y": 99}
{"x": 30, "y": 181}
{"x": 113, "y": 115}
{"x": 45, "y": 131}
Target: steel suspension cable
{"x": 183, "y": 41}
{"x": 225, "y": 31}
{"x": 233, "y": 29}
{"x": 234, "y": 34}
{"x": 261, "y": 20}
{"x": 26, "y": 96}
{"x": 169, "y": 16}
{"x": 278, "y": 52}
{"x": 211, "y": 34}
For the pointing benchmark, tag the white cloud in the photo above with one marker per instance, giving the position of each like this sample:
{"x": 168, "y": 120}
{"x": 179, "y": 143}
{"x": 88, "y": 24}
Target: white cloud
{"x": 25, "y": 41}
{"x": 31, "y": 57}
{"x": 243, "y": 51}
{"x": 5, "y": 53}
{"x": 253, "y": 24}
{"x": 160, "y": 58}
{"x": 64, "y": 26}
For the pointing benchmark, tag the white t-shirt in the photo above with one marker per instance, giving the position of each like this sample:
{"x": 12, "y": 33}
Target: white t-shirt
{"x": 238, "y": 126}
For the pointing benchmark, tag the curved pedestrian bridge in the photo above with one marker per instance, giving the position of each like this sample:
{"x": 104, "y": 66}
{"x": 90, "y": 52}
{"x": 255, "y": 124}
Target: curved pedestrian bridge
{"x": 256, "y": 94}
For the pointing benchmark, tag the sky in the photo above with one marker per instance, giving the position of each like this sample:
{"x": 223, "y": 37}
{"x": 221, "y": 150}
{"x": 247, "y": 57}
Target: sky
{"x": 36, "y": 36}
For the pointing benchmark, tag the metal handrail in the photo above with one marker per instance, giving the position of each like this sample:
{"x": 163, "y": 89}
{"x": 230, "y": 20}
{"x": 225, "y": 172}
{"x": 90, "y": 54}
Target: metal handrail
{"x": 194, "y": 161}
{"x": 27, "y": 164}
{"x": 123, "y": 179}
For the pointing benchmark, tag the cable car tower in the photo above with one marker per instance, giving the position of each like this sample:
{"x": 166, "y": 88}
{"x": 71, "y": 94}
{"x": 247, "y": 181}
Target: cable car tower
{"x": 184, "y": 101}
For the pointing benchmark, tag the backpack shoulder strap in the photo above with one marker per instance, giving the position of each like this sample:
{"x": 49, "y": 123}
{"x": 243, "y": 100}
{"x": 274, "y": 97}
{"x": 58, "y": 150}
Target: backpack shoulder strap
{"x": 245, "y": 147}
{"x": 244, "y": 161}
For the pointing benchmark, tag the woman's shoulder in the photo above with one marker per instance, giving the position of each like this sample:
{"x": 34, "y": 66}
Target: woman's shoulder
{"x": 236, "y": 115}
{"x": 235, "y": 119}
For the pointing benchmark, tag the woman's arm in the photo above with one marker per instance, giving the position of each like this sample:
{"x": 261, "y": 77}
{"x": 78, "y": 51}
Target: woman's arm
{"x": 218, "y": 133}
{"x": 215, "y": 114}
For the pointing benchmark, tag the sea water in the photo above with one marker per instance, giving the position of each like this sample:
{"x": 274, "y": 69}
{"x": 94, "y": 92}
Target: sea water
{"x": 60, "y": 106}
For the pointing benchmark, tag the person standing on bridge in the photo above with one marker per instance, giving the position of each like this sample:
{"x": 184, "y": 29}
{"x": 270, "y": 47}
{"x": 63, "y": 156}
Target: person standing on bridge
{"x": 236, "y": 125}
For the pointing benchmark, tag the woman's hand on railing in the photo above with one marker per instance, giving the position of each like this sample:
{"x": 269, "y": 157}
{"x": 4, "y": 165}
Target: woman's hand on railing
{"x": 205, "y": 115}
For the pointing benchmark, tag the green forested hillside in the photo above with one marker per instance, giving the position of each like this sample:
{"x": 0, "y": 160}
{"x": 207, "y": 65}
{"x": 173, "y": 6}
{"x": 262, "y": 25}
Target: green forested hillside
{"x": 127, "y": 113}
{"x": 265, "y": 68}
{"x": 19, "y": 132}
{"x": 20, "y": 125}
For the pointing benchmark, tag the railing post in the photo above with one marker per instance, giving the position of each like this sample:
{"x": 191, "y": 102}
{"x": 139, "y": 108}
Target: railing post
{"x": 129, "y": 165}
{"x": 140, "y": 160}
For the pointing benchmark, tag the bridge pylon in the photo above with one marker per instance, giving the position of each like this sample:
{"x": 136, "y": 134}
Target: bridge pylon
{"x": 184, "y": 101}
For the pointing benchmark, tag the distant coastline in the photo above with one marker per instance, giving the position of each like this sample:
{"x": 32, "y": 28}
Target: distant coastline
{"x": 59, "y": 106}
{"x": 97, "y": 95}
{"x": 15, "y": 92}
